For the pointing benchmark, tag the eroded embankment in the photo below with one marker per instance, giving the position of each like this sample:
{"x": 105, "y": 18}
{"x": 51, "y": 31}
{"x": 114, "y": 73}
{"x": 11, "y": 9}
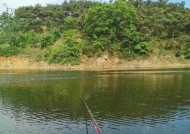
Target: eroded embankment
{"x": 97, "y": 63}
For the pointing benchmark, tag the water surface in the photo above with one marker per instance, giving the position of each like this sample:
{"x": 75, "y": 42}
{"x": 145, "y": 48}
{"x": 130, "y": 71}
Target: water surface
{"x": 124, "y": 102}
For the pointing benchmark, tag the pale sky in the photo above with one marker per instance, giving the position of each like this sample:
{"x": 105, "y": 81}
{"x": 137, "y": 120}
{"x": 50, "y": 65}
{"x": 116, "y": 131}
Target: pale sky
{"x": 16, "y": 3}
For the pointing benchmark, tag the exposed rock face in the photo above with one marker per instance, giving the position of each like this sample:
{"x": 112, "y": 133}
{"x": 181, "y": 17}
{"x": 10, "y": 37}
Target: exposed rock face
{"x": 101, "y": 61}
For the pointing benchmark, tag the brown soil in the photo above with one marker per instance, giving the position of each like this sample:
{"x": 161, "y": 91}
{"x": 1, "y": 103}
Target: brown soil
{"x": 97, "y": 63}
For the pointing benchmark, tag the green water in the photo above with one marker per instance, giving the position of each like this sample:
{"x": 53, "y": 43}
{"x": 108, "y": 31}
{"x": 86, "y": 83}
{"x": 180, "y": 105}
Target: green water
{"x": 125, "y": 102}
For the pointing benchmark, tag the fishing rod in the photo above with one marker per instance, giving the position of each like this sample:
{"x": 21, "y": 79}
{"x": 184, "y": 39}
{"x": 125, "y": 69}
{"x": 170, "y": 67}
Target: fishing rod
{"x": 97, "y": 128}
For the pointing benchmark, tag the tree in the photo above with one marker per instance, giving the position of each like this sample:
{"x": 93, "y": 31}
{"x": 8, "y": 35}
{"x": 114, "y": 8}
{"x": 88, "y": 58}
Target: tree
{"x": 115, "y": 22}
{"x": 8, "y": 27}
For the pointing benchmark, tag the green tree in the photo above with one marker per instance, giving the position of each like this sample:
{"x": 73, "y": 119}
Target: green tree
{"x": 114, "y": 22}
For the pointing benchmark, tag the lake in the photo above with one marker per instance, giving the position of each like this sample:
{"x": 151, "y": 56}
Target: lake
{"x": 122, "y": 102}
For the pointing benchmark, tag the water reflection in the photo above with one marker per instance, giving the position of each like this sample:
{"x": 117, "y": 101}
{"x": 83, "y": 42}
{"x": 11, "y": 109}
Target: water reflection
{"x": 122, "y": 102}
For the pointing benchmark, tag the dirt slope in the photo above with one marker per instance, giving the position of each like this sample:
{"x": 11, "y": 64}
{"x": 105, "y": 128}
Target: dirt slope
{"x": 97, "y": 63}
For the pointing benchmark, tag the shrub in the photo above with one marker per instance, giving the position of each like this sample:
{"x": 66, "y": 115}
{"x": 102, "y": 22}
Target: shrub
{"x": 46, "y": 40}
{"x": 88, "y": 50}
{"x": 126, "y": 53}
{"x": 69, "y": 23}
{"x": 179, "y": 53}
{"x": 7, "y": 50}
{"x": 56, "y": 34}
{"x": 63, "y": 54}
{"x": 187, "y": 54}
{"x": 142, "y": 48}
{"x": 70, "y": 33}
{"x": 3, "y": 38}
{"x": 31, "y": 38}
{"x": 172, "y": 44}
{"x": 68, "y": 53}
{"x": 92, "y": 48}
{"x": 19, "y": 40}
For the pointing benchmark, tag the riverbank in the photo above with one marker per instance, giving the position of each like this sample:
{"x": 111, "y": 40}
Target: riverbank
{"x": 96, "y": 63}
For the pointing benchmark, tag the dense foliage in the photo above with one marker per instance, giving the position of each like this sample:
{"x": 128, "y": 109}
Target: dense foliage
{"x": 67, "y": 53}
{"x": 124, "y": 28}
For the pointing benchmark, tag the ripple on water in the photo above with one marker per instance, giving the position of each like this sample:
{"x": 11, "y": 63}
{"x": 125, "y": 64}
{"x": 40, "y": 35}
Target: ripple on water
{"x": 127, "y": 103}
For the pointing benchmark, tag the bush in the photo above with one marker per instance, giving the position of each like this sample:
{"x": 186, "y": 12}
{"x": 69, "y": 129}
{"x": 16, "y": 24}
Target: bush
{"x": 46, "y": 40}
{"x": 142, "y": 48}
{"x": 69, "y": 23}
{"x": 3, "y": 38}
{"x": 92, "y": 48}
{"x": 126, "y": 53}
{"x": 7, "y": 50}
{"x": 88, "y": 50}
{"x": 63, "y": 54}
{"x": 70, "y": 33}
{"x": 68, "y": 53}
{"x": 184, "y": 40}
{"x": 187, "y": 54}
{"x": 172, "y": 44}
{"x": 56, "y": 34}
{"x": 179, "y": 53}
{"x": 31, "y": 38}
{"x": 19, "y": 40}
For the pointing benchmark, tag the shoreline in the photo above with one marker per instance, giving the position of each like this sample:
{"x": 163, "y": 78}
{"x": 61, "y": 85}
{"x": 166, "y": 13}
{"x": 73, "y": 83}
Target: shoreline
{"x": 90, "y": 64}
